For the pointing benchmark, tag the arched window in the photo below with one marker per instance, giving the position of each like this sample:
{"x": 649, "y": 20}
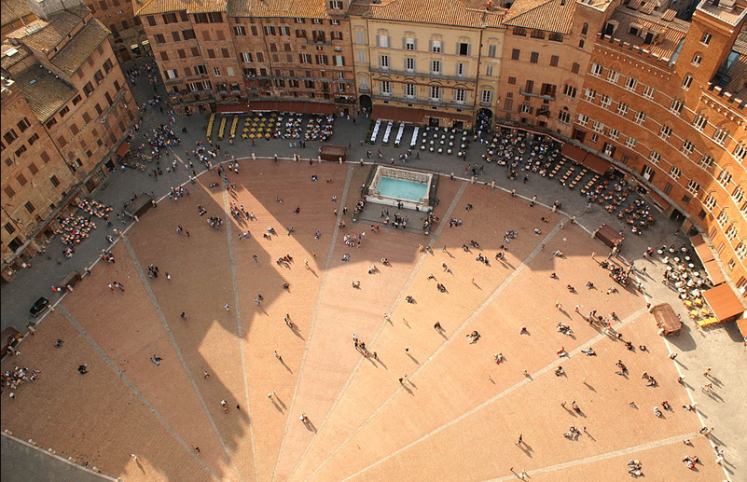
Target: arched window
{"x": 585, "y": 29}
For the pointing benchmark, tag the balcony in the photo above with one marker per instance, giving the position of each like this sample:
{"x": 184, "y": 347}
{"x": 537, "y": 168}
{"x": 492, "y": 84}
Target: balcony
{"x": 429, "y": 75}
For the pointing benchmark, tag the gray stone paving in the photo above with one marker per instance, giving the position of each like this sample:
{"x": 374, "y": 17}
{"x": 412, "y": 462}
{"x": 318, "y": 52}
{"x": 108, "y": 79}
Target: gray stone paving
{"x": 720, "y": 347}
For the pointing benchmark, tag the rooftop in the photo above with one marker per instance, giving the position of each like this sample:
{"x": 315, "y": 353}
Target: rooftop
{"x": 153, "y": 7}
{"x": 667, "y": 32}
{"x": 13, "y": 10}
{"x": 547, "y": 15}
{"x": 44, "y": 35}
{"x": 82, "y": 45}
{"x": 440, "y": 12}
{"x": 729, "y": 14}
{"x": 11, "y": 55}
{"x": 277, "y": 8}
{"x": 44, "y": 92}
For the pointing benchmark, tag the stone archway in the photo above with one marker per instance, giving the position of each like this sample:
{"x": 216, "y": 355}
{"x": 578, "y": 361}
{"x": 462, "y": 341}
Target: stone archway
{"x": 365, "y": 102}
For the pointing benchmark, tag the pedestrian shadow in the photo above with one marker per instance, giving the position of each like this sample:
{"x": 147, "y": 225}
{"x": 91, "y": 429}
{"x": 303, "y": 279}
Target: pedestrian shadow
{"x": 413, "y": 359}
{"x": 590, "y": 387}
{"x": 716, "y": 381}
{"x": 277, "y": 406}
{"x": 407, "y": 389}
{"x": 297, "y": 332}
{"x": 310, "y": 426}
{"x": 716, "y": 397}
{"x": 282, "y": 362}
{"x": 441, "y": 332}
{"x": 313, "y": 272}
{"x": 526, "y": 448}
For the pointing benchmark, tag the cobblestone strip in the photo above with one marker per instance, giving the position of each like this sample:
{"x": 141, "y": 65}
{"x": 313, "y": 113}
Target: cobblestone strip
{"x": 239, "y": 328}
{"x": 332, "y": 244}
{"x": 507, "y": 391}
{"x": 597, "y": 458}
{"x": 130, "y": 385}
{"x": 397, "y": 301}
{"x": 178, "y": 350}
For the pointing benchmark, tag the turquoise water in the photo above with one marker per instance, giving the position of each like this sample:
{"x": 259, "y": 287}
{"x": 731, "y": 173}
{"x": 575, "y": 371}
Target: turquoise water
{"x": 401, "y": 189}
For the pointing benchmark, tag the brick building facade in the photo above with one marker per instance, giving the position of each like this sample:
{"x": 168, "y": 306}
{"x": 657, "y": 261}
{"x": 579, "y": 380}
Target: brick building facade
{"x": 66, "y": 108}
{"x": 259, "y": 55}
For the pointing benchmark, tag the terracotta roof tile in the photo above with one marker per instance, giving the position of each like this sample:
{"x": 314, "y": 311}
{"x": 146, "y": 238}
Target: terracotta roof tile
{"x": 669, "y": 15}
{"x": 547, "y": 15}
{"x": 8, "y": 61}
{"x": 669, "y": 33}
{"x": 439, "y": 12}
{"x": 44, "y": 35}
{"x": 161, "y": 6}
{"x": 205, "y": 6}
{"x": 44, "y": 93}
{"x": 278, "y": 8}
{"x": 13, "y": 10}
{"x": 82, "y": 45}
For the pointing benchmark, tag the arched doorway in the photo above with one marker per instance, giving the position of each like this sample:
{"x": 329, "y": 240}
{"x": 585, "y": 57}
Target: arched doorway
{"x": 365, "y": 103}
{"x": 484, "y": 122}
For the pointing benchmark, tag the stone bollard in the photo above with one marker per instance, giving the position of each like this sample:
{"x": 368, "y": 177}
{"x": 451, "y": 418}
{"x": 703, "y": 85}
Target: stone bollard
{"x": 254, "y": 157}
{"x": 492, "y": 184}
{"x": 472, "y": 180}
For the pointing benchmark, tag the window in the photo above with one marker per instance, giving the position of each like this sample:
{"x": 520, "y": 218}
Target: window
{"x": 614, "y": 134}
{"x": 631, "y": 84}
{"x": 654, "y": 157}
{"x": 515, "y": 54}
{"x": 55, "y": 182}
{"x": 706, "y": 162}
{"x": 555, "y": 37}
{"x": 564, "y": 117}
{"x": 489, "y": 70}
{"x": 520, "y": 32}
{"x": 613, "y": 76}
{"x": 246, "y": 57}
{"x": 693, "y": 187}
{"x": 709, "y": 202}
{"x": 29, "y": 207}
{"x": 539, "y": 34}
{"x": 492, "y": 51}
{"x": 216, "y": 71}
{"x": 435, "y": 66}
{"x": 738, "y": 194}
{"x": 676, "y": 107}
{"x": 720, "y": 136}
{"x": 339, "y": 60}
{"x": 597, "y": 126}
{"x": 576, "y": 67}
{"x": 384, "y": 61}
{"x": 463, "y": 49}
{"x": 687, "y": 82}
{"x": 9, "y": 191}
{"x": 410, "y": 91}
{"x": 435, "y": 93}
{"x": 410, "y": 44}
{"x": 159, "y": 38}
{"x": 169, "y": 18}
{"x": 239, "y": 30}
{"x": 700, "y": 122}
{"x": 732, "y": 232}
{"x": 622, "y": 108}
{"x": 688, "y": 147}
{"x": 648, "y": 92}
{"x": 605, "y": 101}
{"x": 305, "y": 58}
{"x": 300, "y": 20}
{"x": 188, "y": 34}
{"x": 724, "y": 178}
{"x": 51, "y": 122}
{"x": 201, "y": 70}
{"x": 88, "y": 89}
{"x": 436, "y": 46}
{"x": 19, "y": 152}
{"x": 740, "y": 152}
{"x": 554, "y": 60}
{"x": 335, "y": 5}
{"x": 269, "y": 30}
{"x": 534, "y": 57}
{"x": 10, "y": 136}
{"x": 460, "y": 95}
{"x": 590, "y": 95}
{"x": 151, "y": 20}
{"x": 529, "y": 87}
{"x": 582, "y": 120}
{"x": 386, "y": 87}
{"x": 631, "y": 142}
{"x": 171, "y": 74}
{"x": 525, "y": 109}
{"x": 460, "y": 69}
{"x": 24, "y": 124}
{"x": 322, "y": 60}
{"x": 9, "y": 228}
{"x": 741, "y": 251}
{"x": 596, "y": 70}
{"x": 594, "y": 138}
{"x": 665, "y": 132}
{"x": 486, "y": 96}
{"x": 569, "y": 91}
{"x": 675, "y": 173}
{"x": 697, "y": 59}
{"x": 512, "y": 80}
{"x": 706, "y": 38}
{"x": 33, "y": 139}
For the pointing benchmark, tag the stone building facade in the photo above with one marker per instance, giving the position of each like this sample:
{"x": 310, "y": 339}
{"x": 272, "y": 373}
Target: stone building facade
{"x": 66, "y": 109}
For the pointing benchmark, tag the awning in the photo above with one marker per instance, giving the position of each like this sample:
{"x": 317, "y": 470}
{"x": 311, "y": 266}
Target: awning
{"x": 723, "y": 302}
{"x": 400, "y": 114}
{"x": 232, "y": 108}
{"x": 701, "y": 248}
{"x": 596, "y": 163}
{"x": 333, "y": 153}
{"x": 666, "y": 318}
{"x": 318, "y": 108}
{"x": 122, "y": 149}
{"x": 448, "y": 115}
{"x": 714, "y": 272}
{"x": 659, "y": 201}
{"x": 574, "y": 153}
{"x": 742, "y": 325}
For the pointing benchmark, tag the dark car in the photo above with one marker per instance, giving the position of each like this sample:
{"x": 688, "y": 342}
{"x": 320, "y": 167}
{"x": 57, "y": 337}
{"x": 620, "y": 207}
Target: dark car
{"x": 40, "y": 305}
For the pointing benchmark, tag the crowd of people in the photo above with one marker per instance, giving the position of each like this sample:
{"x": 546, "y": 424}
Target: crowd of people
{"x": 12, "y": 379}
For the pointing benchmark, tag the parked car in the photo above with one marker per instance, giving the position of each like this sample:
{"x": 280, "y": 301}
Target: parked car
{"x": 40, "y": 305}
